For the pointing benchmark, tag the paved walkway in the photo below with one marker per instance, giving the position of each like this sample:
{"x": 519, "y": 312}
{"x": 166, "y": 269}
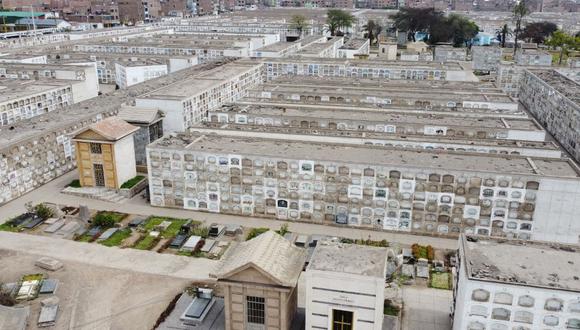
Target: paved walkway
{"x": 95, "y": 254}
{"x": 51, "y": 193}
{"x": 426, "y": 308}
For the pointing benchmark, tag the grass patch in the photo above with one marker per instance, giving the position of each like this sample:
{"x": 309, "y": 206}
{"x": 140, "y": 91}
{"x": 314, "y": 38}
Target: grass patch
{"x": 32, "y": 277}
{"x": 201, "y": 231}
{"x": 117, "y": 238}
{"x": 84, "y": 238}
{"x": 8, "y": 226}
{"x": 74, "y": 184}
{"x": 440, "y": 281}
{"x": 132, "y": 182}
{"x": 147, "y": 243}
{"x": 172, "y": 230}
{"x": 256, "y": 232}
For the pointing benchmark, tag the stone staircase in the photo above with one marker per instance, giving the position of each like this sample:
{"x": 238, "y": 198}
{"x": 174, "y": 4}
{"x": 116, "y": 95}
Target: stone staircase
{"x": 103, "y": 194}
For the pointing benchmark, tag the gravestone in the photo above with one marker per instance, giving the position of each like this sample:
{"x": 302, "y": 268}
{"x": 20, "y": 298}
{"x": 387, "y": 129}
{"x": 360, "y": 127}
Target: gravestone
{"x": 84, "y": 214}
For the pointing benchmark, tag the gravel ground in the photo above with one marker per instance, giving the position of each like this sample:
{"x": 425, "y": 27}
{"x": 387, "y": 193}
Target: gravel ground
{"x": 93, "y": 297}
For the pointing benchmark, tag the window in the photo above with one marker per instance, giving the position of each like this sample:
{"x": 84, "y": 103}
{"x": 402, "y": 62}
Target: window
{"x": 342, "y": 320}
{"x": 96, "y": 148}
{"x": 255, "y": 310}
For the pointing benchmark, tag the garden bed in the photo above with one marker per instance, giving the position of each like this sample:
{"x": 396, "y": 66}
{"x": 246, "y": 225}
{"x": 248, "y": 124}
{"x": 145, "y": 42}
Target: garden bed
{"x": 117, "y": 238}
{"x": 440, "y": 280}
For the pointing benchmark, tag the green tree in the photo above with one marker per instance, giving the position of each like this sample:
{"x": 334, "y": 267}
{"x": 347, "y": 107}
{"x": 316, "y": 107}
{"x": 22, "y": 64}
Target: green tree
{"x": 299, "y": 22}
{"x": 519, "y": 12}
{"x": 455, "y": 28}
{"x": 563, "y": 41}
{"x": 372, "y": 31}
{"x": 413, "y": 20}
{"x": 538, "y": 32}
{"x": 502, "y": 34}
{"x": 338, "y": 20}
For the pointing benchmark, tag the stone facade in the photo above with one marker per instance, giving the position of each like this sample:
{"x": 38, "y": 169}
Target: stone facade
{"x": 486, "y": 58}
{"x": 553, "y": 100}
{"x": 446, "y": 53}
{"x": 361, "y": 194}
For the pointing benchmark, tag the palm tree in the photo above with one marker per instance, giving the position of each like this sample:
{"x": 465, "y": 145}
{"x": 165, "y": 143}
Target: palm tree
{"x": 502, "y": 34}
{"x": 372, "y": 30}
{"x": 299, "y": 23}
{"x": 520, "y": 11}
{"x": 337, "y": 20}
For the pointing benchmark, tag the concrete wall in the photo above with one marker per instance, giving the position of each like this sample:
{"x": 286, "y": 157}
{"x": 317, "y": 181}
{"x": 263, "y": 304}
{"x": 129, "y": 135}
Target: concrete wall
{"x": 555, "y": 111}
{"x": 444, "y": 202}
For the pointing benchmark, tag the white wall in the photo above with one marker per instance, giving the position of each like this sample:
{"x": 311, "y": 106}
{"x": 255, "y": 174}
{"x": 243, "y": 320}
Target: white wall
{"x": 125, "y": 160}
{"x": 176, "y": 64}
{"x": 87, "y": 88}
{"x": 137, "y": 74}
{"x": 556, "y": 217}
{"x": 173, "y": 120}
{"x": 353, "y": 290}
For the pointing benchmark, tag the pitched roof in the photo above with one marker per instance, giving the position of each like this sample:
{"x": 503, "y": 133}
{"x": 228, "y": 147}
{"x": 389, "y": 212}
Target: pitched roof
{"x": 270, "y": 253}
{"x": 139, "y": 115}
{"x": 111, "y": 128}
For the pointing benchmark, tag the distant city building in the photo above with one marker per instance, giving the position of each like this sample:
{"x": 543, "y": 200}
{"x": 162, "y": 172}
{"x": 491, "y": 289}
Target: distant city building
{"x": 509, "y": 285}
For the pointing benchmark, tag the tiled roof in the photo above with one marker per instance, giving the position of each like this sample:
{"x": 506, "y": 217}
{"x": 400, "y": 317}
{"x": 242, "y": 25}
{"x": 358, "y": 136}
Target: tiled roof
{"x": 139, "y": 115}
{"x": 269, "y": 253}
{"x": 112, "y": 128}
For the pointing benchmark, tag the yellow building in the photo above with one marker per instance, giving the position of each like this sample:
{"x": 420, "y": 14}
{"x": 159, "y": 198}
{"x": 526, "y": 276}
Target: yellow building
{"x": 105, "y": 153}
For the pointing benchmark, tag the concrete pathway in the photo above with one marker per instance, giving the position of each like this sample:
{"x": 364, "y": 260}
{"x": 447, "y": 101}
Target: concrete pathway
{"x": 95, "y": 254}
{"x": 51, "y": 193}
{"x": 426, "y": 308}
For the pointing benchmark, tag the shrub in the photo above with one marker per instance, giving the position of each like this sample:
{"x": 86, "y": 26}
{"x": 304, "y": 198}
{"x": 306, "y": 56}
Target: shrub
{"x": 132, "y": 182}
{"x": 75, "y": 184}
{"x": 256, "y": 232}
{"x": 6, "y": 299}
{"x": 390, "y": 308}
{"x": 430, "y": 253}
{"x": 104, "y": 220}
{"x": 43, "y": 211}
{"x": 283, "y": 230}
